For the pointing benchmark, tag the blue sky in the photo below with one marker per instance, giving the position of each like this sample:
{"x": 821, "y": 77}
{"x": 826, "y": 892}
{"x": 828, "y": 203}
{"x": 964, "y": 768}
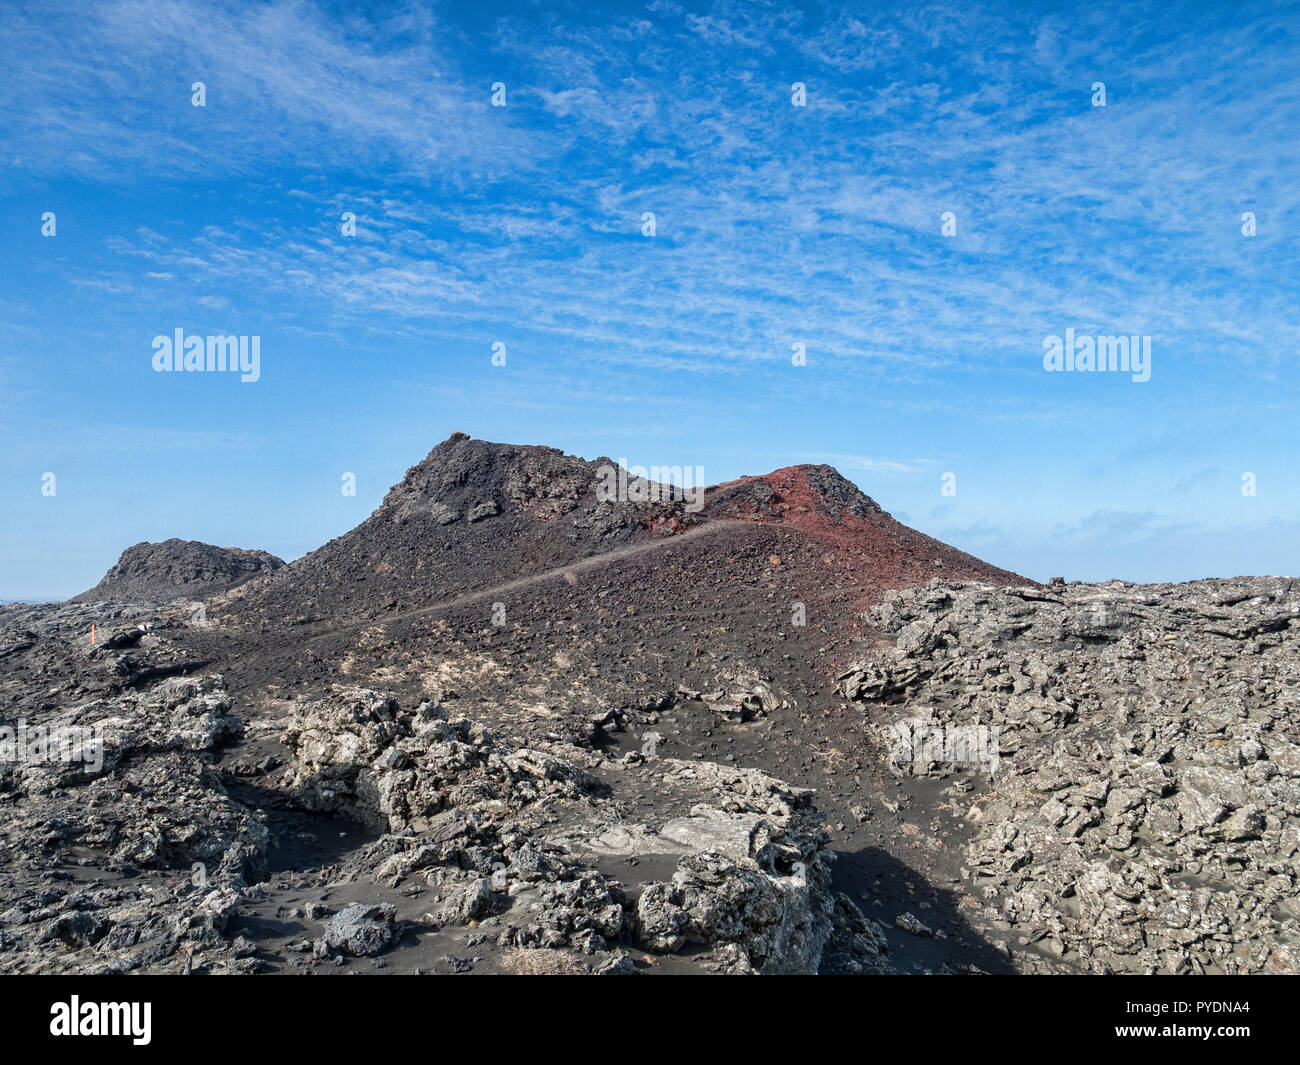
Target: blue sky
{"x": 774, "y": 225}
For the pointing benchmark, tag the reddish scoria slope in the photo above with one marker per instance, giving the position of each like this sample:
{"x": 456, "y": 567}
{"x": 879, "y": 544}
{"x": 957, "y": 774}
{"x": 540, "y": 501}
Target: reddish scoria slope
{"x": 874, "y": 551}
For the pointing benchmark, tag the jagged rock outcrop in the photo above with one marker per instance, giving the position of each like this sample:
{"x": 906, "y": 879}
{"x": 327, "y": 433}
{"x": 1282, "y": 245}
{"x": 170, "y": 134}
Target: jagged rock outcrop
{"x": 756, "y": 874}
{"x": 122, "y": 787}
{"x": 515, "y": 835}
{"x": 358, "y": 752}
{"x": 1144, "y": 812}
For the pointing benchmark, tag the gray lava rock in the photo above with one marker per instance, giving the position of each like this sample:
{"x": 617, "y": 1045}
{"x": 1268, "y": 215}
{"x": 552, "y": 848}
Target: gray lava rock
{"x": 361, "y": 930}
{"x": 465, "y": 903}
{"x": 1144, "y": 812}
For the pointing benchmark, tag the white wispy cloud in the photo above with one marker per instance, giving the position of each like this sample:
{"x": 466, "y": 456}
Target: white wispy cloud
{"x": 774, "y": 223}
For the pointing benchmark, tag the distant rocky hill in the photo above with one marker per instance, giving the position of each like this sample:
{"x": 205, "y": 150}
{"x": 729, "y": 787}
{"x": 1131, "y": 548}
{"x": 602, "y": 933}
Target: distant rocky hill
{"x": 175, "y": 569}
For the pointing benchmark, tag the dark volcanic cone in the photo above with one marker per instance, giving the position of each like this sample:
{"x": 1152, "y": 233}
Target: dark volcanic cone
{"x": 477, "y": 523}
{"x": 177, "y": 569}
{"x": 472, "y": 515}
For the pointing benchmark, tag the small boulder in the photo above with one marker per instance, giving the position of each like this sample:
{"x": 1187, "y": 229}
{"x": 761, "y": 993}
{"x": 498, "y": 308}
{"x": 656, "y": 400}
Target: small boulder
{"x": 361, "y": 930}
